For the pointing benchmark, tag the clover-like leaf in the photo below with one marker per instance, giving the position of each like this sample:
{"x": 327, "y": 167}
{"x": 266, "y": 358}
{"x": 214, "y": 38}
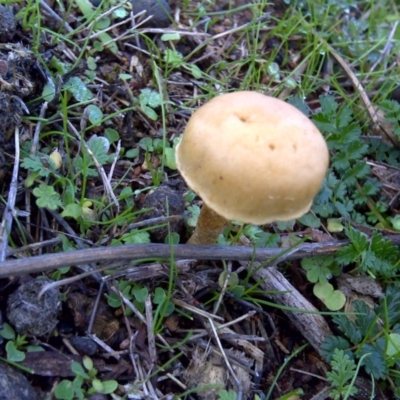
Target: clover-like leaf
{"x": 140, "y": 294}
{"x": 333, "y": 299}
{"x": 47, "y": 197}
{"x": 159, "y": 296}
{"x": 78, "y": 89}
{"x": 318, "y": 268}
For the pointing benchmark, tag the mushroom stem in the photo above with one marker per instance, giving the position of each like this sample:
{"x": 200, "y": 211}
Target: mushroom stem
{"x": 209, "y": 226}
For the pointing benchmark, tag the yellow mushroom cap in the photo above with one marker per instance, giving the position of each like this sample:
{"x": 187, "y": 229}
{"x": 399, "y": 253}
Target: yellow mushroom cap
{"x": 253, "y": 158}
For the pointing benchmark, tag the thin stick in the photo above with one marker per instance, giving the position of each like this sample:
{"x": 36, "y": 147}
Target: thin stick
{"x": 35, "y": 140}
{"x": 99, "y": 167}
{"x": 54, "y": 15}
{"x": 6, "y": 224}
{"x": 50, "y": 262}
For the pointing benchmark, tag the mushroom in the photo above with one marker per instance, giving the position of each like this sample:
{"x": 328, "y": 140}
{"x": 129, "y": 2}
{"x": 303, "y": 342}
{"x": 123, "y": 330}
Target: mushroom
{"x": 252, "y": 158}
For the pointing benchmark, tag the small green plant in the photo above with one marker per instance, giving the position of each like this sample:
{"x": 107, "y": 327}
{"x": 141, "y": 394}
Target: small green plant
{"x": 138, "y": 295}
{"x": 225, "y": 395}
{"x": 376, "y": 255}
{"x": 392, "y": 114}
{"x": 372, "y": 337}
{"x": 149, "y": 101}
{"x": 161, "y": 148}
{"x": 343, "y": 371}
{"x": 319, "y": 270}
{"x": 85, "y": 382}
{"x": 17, "y": 345}
{"x": 348, "y": 187}
{"x": 99, "y": 26}
{"x": 174, "y": 59}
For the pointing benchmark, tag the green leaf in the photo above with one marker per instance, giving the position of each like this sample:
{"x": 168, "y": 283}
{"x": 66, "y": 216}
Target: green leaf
{"x": 348, "y": 327}
{"x": 78, "y": 370}
{"x": 169, "y": 155}
{"x": 136, "y": 237}
{"x": 233, "y": 279}
{"x": 366, "y": 319}
{"x": 195, "y": 71}
{"x": 172, "y": 238}
{"x": 173, "y": 58}
{"x": 87, "y": 363}
{"x": 91, "y": 63}
{"x": 78, "y": 89}
{"x": 73, "y": 211}
{"x": 318, "y": 268}
{"x": 237, "y": 290}
{"x": 260, "y": 238}
{"x": 77, "y": 384}
{"x": 140, "y": 294}
{"x": 113, "y": 300}
{"x": 125, "y": 77}
{"x": 127, "y": 195}
{"x": 300, "y": 104}
{"x": 99, "y": 146}
{"x": 310, "y": 220}
{"x": 98, "y": 46}
{"x": 108, "y": 42}
{"x": 111, "y": 135}
{"x": 374, "y": 363}
{"x": 7, "y": 332}
{"x": 132, "y": 153}
{"x": 170, "y": 36}
{"x": 193, "y": 215}
{"x": 48, "y": 92}
{"x": 146, "y": 143}
{"x": 47, "y": 197}
{"x": 343, "y": 370}
{"x": 64, "y": 390}
{"x": 334, "y": 225}
{"x": 159, "y": 296}
{"x": 86, "y": 8}
{"x": 359, "y": 243}
{"x": 120, "y": 13}
{"x": 333, "y": 299}
{"x": 393, "y": 347}
{"x": 285, "y": 225}
{"x": 102, "y": 23}
{"x": 150, "y": 97}
{"x": 328, "y": 104}
{"x": 109, "y": 386}
{"x": 150, "y": 112}
{"x": 42, "y": 164}
{"x": 97, "y": 386}
{"x": 390, "y": 305}
{"x": 334, "y": 342}
{"x": 95, "y": 115}
{"x": 225, "y": 395}
{"x": 13, "y": 354}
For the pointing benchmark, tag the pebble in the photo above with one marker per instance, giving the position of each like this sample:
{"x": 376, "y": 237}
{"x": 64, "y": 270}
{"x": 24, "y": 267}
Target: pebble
{"x": 159, "y": 9}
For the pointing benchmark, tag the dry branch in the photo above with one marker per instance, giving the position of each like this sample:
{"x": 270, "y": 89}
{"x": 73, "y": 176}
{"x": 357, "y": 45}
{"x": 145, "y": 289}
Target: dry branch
{"x": 50, "y": 262}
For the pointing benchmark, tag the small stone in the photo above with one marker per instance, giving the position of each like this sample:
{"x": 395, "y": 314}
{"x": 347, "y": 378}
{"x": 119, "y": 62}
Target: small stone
{"x": 161, "y": 202}
{"x": 84, "y": 345}
{"x": 159, "y": 9}
{"x": 31, "y": 315}
{"x": 14, "y": 385}
{"x": 7, "y": 24}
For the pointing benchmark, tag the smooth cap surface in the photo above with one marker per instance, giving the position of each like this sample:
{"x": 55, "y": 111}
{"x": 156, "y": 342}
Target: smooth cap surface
{"x": 253, "y": 158}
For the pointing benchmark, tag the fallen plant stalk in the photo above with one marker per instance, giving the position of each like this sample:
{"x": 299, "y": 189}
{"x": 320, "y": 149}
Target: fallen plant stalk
{"x": 52, "y": 261}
